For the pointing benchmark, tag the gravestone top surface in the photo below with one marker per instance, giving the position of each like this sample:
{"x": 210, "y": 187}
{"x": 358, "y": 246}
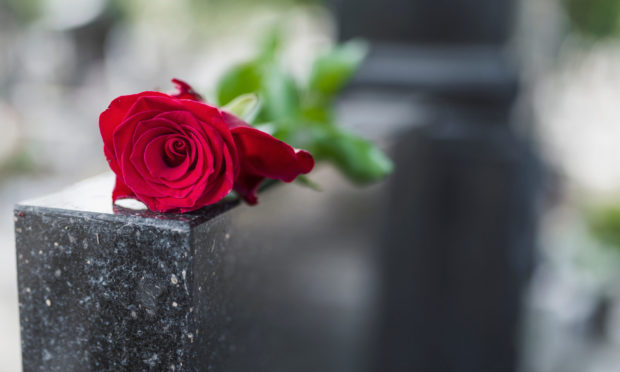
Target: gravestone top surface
{"x": 93, "y": 196}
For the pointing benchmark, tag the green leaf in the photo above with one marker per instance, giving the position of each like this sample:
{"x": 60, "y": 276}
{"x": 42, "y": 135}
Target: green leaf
{"x": 331, "y": 71}
{"x": 241, "y": 79}
{"x": 280, "y": 95}
{"x": 245, "y": 107}
{"x": 317, "y": 112}
{"x": 276, "y": 89}
{"x": 604, "y": 223}
{"x": 359, "y": 159}
{"x": 594, "y": 18}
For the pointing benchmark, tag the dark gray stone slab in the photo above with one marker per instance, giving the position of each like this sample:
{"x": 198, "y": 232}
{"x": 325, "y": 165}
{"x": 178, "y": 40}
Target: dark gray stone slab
{"x": 119, "y": 290}
{"x": 440, "y": 22}
{"x": 459, "y": 248}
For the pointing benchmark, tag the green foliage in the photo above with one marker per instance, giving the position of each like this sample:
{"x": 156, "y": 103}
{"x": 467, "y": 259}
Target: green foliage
{"x": 594, "y": 18}
{"x": 359, "y": 159}
{"x": 239, "y": 80}
{"x": 25, "y": 10}
{"x": 280, "y": 94}
{"x": 331, "y": 71}
{"x": 302, "y": 114}
{"x": 604, "y": 223}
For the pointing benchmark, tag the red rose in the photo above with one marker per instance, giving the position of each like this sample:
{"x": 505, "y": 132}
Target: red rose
{"x": 177, "y": 154}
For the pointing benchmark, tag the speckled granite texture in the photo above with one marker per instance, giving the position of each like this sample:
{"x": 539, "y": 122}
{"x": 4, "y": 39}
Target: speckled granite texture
{"x": 123, "y": 290}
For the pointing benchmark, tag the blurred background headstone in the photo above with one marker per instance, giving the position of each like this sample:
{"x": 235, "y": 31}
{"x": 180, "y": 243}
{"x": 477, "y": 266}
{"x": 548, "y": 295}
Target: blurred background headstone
{"x": 461, "y": 228}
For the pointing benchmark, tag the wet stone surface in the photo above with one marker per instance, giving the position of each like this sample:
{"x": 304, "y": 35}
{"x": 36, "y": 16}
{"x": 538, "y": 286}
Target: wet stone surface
{"x": 103, "y": 290}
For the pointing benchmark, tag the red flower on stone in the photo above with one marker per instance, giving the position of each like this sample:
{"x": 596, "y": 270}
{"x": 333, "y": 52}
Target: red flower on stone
{"x": 176, "y": 153}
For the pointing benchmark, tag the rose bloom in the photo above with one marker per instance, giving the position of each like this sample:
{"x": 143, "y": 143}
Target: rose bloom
{"x": 176, "y": 153}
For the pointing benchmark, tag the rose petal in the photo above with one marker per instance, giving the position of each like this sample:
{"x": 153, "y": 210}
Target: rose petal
{"x": 213, "y": 116}
{"x": 185, "y": 91}
{"x": 246, "y": 185}
{"x": 175, "y": 150}
{"x": 156, "y": 103}
{"x": 220, "y": 182}
{"x": 205, "y": 142}
{"x": 154, "y": 159}
{"x": 263, "y": 156}
{"x": 193, "y": 134}
{"x": 233, "y": 122}
{"x": 125, "y": 132}
{"x": 111, "y": 160}
{"x": 221, "y": 185}
{"x": 116, "y": 113}
{"x": 121, "y": 191}
{"x": 133, "y": 158}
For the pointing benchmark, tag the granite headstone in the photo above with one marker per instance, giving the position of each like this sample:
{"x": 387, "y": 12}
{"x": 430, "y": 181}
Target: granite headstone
{"x": 105, "y": 288}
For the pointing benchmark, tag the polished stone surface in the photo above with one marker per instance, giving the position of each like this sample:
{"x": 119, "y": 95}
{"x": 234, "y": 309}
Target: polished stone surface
{"x": 115, "y": 289}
